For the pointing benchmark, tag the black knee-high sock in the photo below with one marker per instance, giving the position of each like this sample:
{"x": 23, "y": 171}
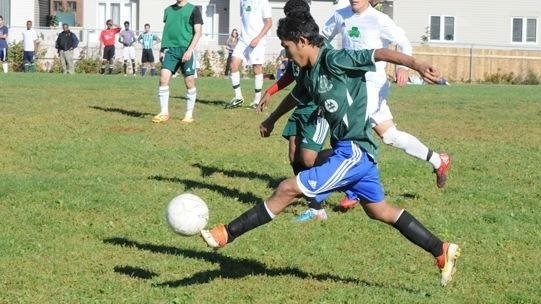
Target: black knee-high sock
{"x": 247, "y": 221}
{"x": 418, "y": 234}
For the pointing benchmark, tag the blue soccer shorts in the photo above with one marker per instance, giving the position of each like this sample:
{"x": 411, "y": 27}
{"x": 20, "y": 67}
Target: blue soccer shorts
{"x": 350, "y": 169}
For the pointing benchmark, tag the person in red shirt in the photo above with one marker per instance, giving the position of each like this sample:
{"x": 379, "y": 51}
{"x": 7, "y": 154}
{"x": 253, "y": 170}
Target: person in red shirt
{"x": 107, "y": 42}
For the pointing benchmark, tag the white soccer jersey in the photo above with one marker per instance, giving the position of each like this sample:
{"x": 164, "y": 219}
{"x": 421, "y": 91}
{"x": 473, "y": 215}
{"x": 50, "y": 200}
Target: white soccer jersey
{"x": 369, "y": 30}
{"x": 252, "y": 13}
{"x": 29, "y": 36}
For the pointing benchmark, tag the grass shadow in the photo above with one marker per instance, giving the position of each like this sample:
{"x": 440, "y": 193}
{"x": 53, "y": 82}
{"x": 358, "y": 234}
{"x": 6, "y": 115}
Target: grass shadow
{"x": 243, "y": 197}
{"x": 235, "y": 268}
{"x": 123, "y": 111}
{"x": 271, "y": 181}
{"x": 215, "y": 102}
{"x": 135, "y": 272}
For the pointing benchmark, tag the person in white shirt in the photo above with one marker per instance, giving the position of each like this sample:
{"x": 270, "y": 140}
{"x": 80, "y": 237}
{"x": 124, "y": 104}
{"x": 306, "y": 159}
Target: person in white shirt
{"x": 256, "y": 20}
{"x": 363, "y": 27}
{"x": 30, "y": 46}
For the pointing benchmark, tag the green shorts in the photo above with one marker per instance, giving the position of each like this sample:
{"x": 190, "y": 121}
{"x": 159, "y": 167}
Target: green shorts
{"x": 172, "y": 60}
{"x": 311, "y": 128}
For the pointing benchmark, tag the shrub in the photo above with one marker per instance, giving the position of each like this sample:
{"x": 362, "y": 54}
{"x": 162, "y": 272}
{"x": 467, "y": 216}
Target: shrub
{"x": 206, "y": 65}
{"x": 88, "y": 66}
{"x": 532, "y": 78}
{"x": 15, "y": 56}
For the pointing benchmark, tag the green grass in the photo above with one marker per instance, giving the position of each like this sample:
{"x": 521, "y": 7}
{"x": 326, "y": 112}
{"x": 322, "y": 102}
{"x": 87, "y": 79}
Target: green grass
{"x": 85, "y": 178}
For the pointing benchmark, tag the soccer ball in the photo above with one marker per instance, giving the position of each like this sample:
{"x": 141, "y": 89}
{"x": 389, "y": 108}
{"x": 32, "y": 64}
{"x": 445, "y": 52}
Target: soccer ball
{"x": 187, "y": 214}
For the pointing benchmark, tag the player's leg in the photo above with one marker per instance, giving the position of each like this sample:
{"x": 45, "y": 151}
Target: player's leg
{"x": 26, "y": 62}
{"x": 70, "y": 65}
{"x": 171, "y": 62}
{"x": 257, "y": 58}
{"x": 63, "y": 62}
{"x": 144, "y": 62}
{"x": 188, "y": 70}
{"x": 236, "y": 60}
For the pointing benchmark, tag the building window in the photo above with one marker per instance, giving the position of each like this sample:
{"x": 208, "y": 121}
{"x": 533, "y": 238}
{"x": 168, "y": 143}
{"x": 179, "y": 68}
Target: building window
{"x": 524, "y": 30}
{"x": 442, "y": 28}
{"x": 115, "y": 13}
{"x": 5, "y": 11}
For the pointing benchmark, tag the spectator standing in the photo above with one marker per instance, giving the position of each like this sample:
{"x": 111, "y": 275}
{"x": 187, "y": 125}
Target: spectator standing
{"x": 3, "y": 45}
{"x": 107, "y": 42}
{"x": 30, "y": 46}
{"x": 127, "y": 38}
{"x": 147, "y": 39}
{"x": 65, "y": 44}
{"x": 230, "y": 46}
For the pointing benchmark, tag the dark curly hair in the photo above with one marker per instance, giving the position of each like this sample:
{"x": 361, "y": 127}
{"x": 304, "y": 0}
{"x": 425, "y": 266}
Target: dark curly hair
{"x": 296, "y": 5}
{"x": 299, "y": 24}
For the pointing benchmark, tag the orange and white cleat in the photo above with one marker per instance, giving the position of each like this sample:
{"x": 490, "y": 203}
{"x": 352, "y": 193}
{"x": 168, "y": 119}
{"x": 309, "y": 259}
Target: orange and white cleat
{"x": 347, "y": 203}
{"x": 443, "y": 171}
{"x": 446, "y": 262}
{"x": 215, "y": 237}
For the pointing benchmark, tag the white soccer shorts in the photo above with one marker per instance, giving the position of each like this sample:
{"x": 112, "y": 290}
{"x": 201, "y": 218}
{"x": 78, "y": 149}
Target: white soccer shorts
{"x": 249, "y": 54}
{"x": 128, "y": 53}
{"x": 377, "y": 109}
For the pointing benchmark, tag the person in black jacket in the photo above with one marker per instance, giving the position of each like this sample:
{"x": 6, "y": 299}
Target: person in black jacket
{"x": 65, "y": 44}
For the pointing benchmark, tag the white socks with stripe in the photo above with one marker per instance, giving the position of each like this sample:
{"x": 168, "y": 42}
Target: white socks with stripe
{"x": 5, "y": 67}
{"x": 235, "y": 82}
{"x": 163, "y": 95}
{"x": 258, "y": 84}
{"x": 410, "y": 144}
{"x": 191, "y": 94}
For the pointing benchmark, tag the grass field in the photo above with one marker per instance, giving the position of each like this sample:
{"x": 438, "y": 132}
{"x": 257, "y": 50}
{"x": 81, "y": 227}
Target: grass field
{"x": 85, "y": 178}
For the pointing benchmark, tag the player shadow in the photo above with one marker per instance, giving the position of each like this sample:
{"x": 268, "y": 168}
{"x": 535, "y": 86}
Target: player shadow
{"x": 123, "y": 112}
{"x": 271, "y": 181}
{"x": 237, "y": 268}
{"x": 243, "y": 197}
{"x": 135, "y": 272}
{"x": 215, "y": 102}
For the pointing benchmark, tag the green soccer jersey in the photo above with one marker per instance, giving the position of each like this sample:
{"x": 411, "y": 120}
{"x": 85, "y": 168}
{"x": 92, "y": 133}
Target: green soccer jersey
{"x": 305, "y": 102}
{"x": 178, "y": 30}
{"x": 338, "y": 86}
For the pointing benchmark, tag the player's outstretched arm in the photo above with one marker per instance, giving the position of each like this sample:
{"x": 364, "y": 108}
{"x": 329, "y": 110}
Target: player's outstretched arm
{"x": 284, "y": 81}
{"x": 287, "y": 104}
{"x": 429, "y": 73}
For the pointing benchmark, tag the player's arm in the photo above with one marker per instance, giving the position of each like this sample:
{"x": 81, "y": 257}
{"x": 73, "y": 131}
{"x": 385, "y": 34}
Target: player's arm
{"x": 429, "y": 73}
{"x": 197, "y": 20}
{"x": 393, "y": 33}
{"x": 330, "y": 29}
{"x": 287, "y": 104}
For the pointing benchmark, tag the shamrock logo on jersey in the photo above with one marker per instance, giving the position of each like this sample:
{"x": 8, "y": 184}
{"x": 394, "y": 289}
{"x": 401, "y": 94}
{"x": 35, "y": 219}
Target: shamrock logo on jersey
{"x": 354, "y": 32}
{"x": 248, "y": 8}
{"x": 324, "y": 84}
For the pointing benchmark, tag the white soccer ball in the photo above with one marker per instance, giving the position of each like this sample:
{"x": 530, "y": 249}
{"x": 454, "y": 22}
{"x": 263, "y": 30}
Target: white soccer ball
{"x": 187, "y": 214}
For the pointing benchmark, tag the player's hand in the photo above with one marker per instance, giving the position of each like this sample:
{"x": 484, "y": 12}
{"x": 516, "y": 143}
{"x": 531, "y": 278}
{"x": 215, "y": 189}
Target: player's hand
{"x": 428, "y": 72}
{"x": 161, "y": 56}
{"x": 265, "y": 128}
{"x": 263, "y": 103}
{"x": 401, "y": 76}
{"x": 255, "y": 42}
{"x": 187, "y": 55}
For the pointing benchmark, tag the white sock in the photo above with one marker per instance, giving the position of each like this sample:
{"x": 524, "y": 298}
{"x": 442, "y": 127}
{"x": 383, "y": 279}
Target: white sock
{"x": 435, "y": 160}
{"x": 409, "y": 143}
{"x": 5, "y": 67}
{"x": 258, "y": 84}
{"x": 272, "y": 215}
{"x": 235, "y": 82}
{"x": 163, "y": 95}
{"x": 191, "y": 94}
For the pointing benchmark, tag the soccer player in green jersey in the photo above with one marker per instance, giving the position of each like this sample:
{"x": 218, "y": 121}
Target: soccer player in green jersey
{"x": 181, "y": 33}
{"x": 335, "y": 80}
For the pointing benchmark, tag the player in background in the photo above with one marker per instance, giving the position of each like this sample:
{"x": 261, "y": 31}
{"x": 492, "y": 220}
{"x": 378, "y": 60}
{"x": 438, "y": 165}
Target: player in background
{"x": 256, "y": 17}
{"x": 305, "y": 129}
{"x": 107, "y": 46}
{"x": 30, "y": 46}
{"x": 127, "y": 39}
{"x": 148, "y": 39}
{"x": 3, "y": 45}
{"x": 182, "y": 30}
{"x": 335, "y": 79}
{"x": 363, "y": 27}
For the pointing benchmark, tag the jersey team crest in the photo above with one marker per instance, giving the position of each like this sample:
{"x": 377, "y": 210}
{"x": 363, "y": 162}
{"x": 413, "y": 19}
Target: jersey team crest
{"x": 324, "y": 85}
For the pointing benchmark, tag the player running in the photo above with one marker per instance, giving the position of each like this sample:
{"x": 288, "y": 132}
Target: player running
{"x": 256, "y": 17}
{"x": 182, "y": 30}
{"x": 335, "y": 79}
